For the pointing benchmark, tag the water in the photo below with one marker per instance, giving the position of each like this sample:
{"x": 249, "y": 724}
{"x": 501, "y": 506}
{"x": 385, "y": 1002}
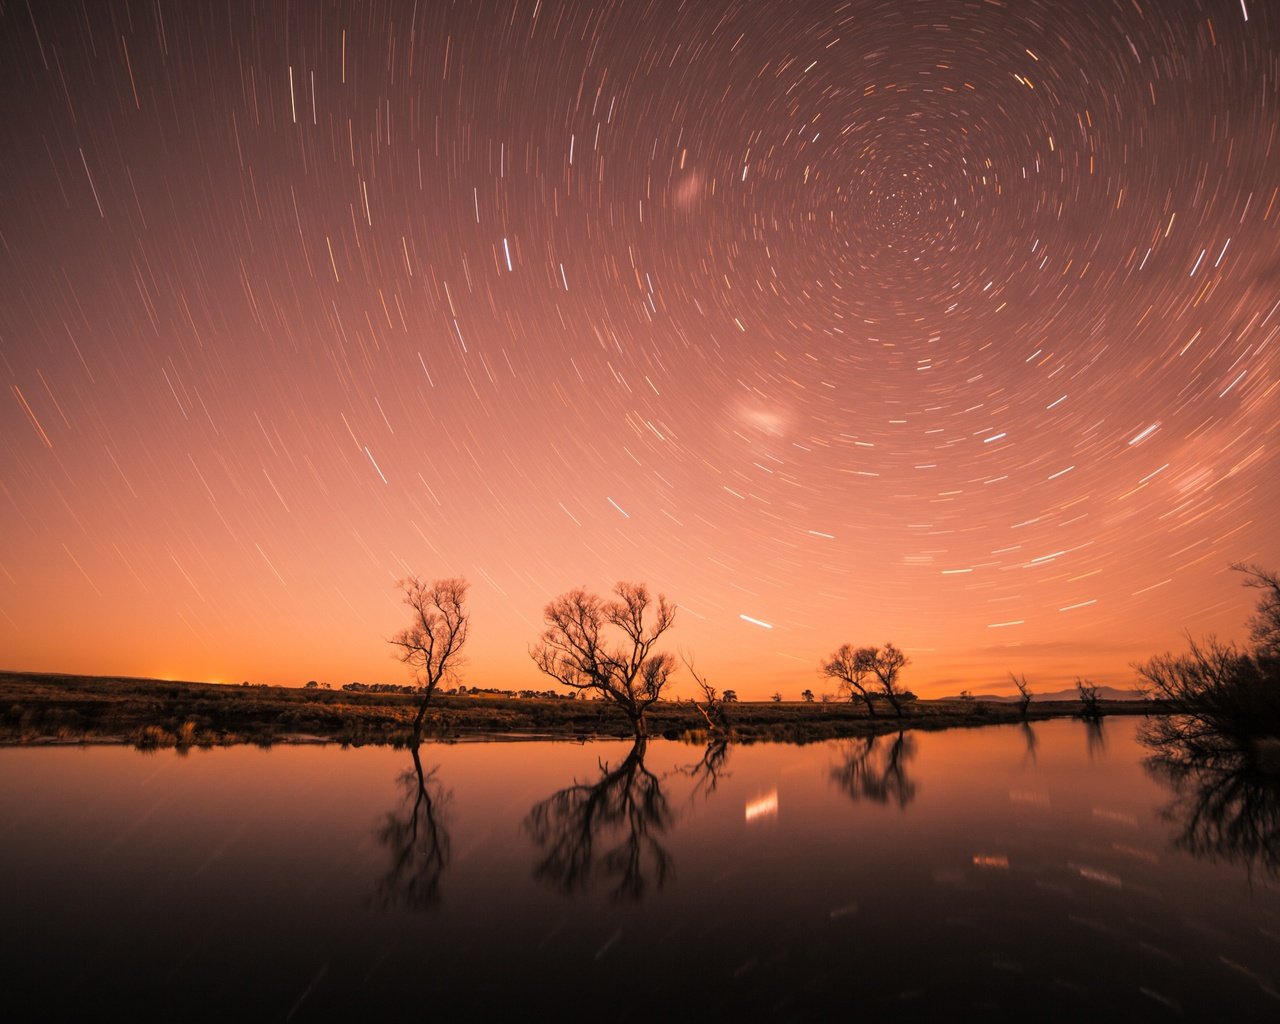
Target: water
{"x": 1000, "y": 870}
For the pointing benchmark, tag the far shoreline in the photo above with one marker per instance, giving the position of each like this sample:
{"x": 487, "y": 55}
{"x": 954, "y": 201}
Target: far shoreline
{"x": 62, "y": 710}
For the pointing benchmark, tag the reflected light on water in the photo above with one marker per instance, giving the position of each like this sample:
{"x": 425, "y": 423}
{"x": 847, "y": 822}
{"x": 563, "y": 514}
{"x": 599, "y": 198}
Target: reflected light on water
{"x": 1119, "y": 817}
{"x": 1138, "y": 854}
{"x": 762, "y": 807}
{"x": 1098, "y": 875}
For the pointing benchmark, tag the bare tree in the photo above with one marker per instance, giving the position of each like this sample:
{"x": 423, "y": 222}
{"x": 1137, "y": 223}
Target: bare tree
{"x": 1196, "y": 679}
{"x": 1089, "y": 698}
{"x": 574, "y": 650}
{"x": 851, "y": 669}
{"x": 1024, "y": 693}
{"x": 1217, "y": 745}
{"x": 1264, "y": 625}
{"x": 1221, "y": 695}
{"x": 714, "y": 713}
{"x": 432, "y": 645}
{"x": 887, "y": 663}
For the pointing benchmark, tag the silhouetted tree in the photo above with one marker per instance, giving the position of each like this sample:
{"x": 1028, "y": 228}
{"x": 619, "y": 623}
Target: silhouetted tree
{"x": 713, "y": 712}
{"x": 807, "y": 696}
{"x": 1024, "y": 693}
{"x": 730, "y": 696}
{"x": 1224, "y": 695}
{"x": 432, "y": 645}
{"x": 1091, "y": 703}
{"x": 610, "y": 826}
{"x": 574, "y": 651}
{"x": 1264, "y": 624}
{"x": 1218, "y": 748}
{"x": 416, "y": 839}
{"x": 888, "y": 662}
{"x": 1220, "y": 692}
{"x": 877, "y": 772}
{"x": 852, "y": 669}
{"x": 777, "y": 697}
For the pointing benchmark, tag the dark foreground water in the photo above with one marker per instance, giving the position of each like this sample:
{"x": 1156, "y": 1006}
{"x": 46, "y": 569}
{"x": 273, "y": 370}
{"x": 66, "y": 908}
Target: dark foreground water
{"x": 1036, "y": 872}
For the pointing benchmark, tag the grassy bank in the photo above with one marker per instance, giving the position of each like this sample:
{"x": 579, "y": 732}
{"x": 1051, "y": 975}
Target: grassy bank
{"x": 45, "y": 708}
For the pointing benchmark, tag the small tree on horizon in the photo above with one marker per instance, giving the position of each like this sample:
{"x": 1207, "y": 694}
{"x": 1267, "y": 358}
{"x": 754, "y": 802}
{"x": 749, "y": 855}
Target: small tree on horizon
{"x": 1024, "y": 693}
{"x": 432, "y": 644}
{"x": 807, "y": 696}
{"x": 574, "y": 651}
{"x": 714, "y": 714}
{"x": 1089, "y": 698}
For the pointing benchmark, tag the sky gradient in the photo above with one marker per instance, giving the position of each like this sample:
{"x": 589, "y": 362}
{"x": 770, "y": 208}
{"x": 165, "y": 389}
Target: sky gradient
{"x": 950, "y": 323}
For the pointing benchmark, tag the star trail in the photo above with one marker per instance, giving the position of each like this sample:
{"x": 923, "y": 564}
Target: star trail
{"x": 945, "y": 322}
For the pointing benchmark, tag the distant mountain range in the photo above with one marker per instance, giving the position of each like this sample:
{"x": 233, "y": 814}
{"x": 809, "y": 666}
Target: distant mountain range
{"x": 1104, "y": 692}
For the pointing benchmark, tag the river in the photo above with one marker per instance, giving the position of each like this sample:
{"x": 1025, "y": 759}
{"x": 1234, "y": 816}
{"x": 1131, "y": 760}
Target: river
{"x": 1042, "y": 871}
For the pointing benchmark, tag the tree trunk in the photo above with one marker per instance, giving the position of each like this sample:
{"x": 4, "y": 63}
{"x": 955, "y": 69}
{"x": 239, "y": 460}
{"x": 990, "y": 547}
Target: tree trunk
{"x": 422, "y": 714}
{"x": 639, "y": 725}
{"x": 712, "y": 724}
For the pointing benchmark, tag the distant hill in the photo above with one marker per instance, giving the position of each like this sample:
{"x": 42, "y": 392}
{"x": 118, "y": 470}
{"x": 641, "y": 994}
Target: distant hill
{"x": 1104, "y": 692}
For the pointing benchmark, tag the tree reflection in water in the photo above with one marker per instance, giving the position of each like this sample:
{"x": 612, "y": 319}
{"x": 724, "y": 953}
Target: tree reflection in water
{"x": 610, "y": 827}
{"x": 706, "y": 774}
{"x": 417, "y": 840}
{"x": 1226, "y": 791}
{"x": 1032, "y": 741}
{"x": 877, "y": 771}
{"x": 1095, "y": 738}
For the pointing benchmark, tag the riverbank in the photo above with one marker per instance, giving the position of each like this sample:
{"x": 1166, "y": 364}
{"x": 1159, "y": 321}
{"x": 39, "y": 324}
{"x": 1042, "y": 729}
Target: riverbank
{"x": 38, "y": 708}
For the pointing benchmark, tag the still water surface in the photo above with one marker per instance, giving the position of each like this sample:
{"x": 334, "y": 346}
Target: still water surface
{"x": 1004, "y": 870}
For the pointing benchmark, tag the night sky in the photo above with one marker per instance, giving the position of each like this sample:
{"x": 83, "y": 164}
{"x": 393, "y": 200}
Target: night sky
{"x": 954, "y": 323}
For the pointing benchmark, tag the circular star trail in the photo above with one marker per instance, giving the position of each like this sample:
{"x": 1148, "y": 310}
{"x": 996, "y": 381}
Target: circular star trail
{"x": 951, "y": 322}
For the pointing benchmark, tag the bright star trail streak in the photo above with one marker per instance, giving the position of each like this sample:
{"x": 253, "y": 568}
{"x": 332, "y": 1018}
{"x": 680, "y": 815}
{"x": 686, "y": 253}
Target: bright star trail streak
{"x": 943, "y": 322}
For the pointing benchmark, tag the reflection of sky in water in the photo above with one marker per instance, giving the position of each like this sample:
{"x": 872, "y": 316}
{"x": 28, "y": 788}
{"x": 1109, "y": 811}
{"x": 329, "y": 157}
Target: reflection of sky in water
{"x": 762, "y": 807}
{"x": 972, "y": 868}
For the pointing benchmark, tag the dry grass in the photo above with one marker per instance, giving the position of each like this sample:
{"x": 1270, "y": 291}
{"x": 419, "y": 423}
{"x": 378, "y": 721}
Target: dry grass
{"x": 150, "y": 714}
